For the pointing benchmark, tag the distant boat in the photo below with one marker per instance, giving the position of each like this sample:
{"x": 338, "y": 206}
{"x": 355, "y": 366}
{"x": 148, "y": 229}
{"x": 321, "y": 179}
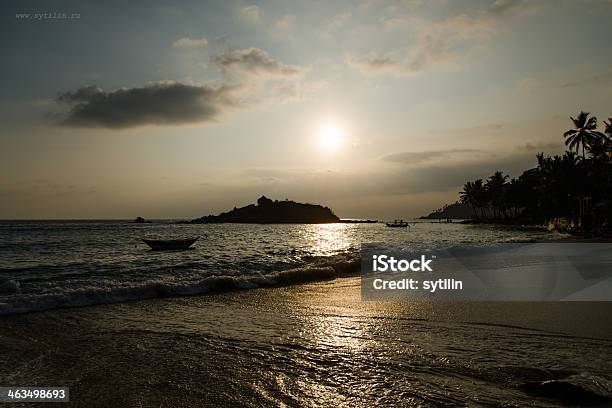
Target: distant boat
{"x": 397, "y": 224}
{"x": 351, "y": 221}
{"x": 170, "y": 244}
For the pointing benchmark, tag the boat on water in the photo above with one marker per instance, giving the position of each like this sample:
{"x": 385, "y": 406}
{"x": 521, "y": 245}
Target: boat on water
{"x": 170, "y": 244}
{"x": 397, "y": 224}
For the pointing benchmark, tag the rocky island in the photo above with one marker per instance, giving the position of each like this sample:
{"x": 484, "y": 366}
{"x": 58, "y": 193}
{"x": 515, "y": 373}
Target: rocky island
{"x": 267, "y": 211}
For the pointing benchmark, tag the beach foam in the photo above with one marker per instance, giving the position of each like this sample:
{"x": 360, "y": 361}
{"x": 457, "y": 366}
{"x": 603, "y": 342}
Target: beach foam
{"x": 61, "y": 297}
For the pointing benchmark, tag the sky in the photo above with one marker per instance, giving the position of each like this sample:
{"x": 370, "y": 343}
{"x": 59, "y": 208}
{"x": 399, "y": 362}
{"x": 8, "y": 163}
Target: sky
{"x": 376, "y": 108}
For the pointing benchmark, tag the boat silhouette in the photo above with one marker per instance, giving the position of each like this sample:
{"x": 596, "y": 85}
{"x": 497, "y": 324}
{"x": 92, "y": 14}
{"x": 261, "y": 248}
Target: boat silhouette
{"x": 170, "y": 244}
{"x": 397, "y": 224}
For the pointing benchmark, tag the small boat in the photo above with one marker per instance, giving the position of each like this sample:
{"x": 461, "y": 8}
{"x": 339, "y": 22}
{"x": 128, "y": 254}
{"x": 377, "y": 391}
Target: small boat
{"x": 170, "y": 244}
{"x": 397, "y": 224}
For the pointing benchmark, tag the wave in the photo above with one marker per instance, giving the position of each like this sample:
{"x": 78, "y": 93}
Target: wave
{"x": 568, "y": 392}
{"x": 160, "y": 288}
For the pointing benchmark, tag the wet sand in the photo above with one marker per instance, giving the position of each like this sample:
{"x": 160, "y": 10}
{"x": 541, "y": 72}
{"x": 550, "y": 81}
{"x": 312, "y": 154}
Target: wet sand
{"x": 309, "y": 345}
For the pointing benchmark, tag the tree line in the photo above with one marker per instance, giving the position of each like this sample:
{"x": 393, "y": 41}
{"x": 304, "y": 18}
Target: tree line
{"x": 571, "y": 191}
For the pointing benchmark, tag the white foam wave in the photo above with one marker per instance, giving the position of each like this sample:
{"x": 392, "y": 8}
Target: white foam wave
{"x": 94, "y": 294}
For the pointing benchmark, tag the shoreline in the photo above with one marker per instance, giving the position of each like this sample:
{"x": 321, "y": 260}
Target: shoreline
{"x": 351, "y": 284}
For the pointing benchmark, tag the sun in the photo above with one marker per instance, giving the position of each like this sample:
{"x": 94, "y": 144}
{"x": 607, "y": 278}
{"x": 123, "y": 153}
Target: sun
{"x": 330, "y": 136}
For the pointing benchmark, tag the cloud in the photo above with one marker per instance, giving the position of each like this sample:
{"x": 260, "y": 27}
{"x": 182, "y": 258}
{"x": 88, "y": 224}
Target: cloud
{"x": 400, "y": 21}
{"x": 285, "y": 24}
{"x": 466, "y": 156}
{"x": 443, "y": 176}
{"x": 155, "y": 104}
{"x": 185, "y": 42}
{"x": 368, "y": 4}
{"x": 444, "y": 170}
{"x": 336, "y": 23}
{"x": 253, "y": 61}
{"x": 598, "y": 79}
{"x": 541, "y": 146}
{"x": 450, "y": 40}
{"x": 373, "y": 63}
{"x": 250, "y": 12}
{"x": 254, "y": 80}
{"x": 505, "y": 8}
{"x": 421, "y": 157}
{"x": 82, "y": 94}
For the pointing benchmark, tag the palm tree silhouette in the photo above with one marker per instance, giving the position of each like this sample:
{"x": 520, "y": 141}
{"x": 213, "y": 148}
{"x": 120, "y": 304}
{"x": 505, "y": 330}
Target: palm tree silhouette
{"x": 480, "y": 196}
{"x": 467, "y": 196}
{"x": 584, "y": 134}
{"x": 608, "y": 130}
{"x": 608, "y": 136}
{"x": 495, "y": 187}
{"x": 570, "y": 191}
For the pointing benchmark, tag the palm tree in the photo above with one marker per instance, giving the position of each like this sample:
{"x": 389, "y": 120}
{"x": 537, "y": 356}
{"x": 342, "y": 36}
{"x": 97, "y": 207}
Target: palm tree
{"x": 467, "y": 196}
{"x": 584, "y": 134}
{"x": 481, "y": 199}
{"x": 495, "y": 187}
{"x": 608, "y": 130}
{"x": 601, "y": 147}
{"x": 608, "y": 136}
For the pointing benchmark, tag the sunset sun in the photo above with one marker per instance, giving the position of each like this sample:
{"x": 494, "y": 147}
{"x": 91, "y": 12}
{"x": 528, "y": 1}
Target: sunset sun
{"x": 330, "y": 136}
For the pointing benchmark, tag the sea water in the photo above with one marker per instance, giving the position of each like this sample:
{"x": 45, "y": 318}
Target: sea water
{"x": 51, "y": 264}
{"x": 313, "y": 345}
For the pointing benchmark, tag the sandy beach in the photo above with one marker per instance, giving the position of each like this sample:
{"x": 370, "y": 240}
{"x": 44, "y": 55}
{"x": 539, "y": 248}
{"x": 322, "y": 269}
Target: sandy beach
{"x": 316, "y": 344}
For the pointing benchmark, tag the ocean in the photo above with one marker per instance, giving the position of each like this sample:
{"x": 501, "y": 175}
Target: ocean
{"x": 51, "y": 264}
{"x": 276, "y": 343}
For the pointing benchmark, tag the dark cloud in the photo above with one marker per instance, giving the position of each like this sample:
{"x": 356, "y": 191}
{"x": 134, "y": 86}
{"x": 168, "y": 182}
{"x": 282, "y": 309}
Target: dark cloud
{"x": 444, "y": 170}
{"x": 255, "y": 79}
{"x": 158, "y": 104}
{"x": 253, "y": 61}
{"x": 444, "y": 177}
{"x": 82, "y": 94}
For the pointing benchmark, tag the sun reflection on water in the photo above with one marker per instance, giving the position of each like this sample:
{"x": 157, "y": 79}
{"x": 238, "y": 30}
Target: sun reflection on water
{"x": 329, "y": 239}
